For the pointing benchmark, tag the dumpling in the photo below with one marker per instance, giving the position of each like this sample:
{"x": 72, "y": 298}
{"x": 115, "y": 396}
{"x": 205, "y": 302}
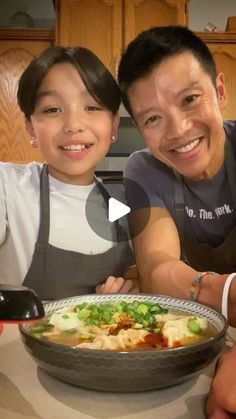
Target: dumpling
{"x": 177, "y": 332}
{"x": 65, "y": 321}
{"x": 124, "y": 339}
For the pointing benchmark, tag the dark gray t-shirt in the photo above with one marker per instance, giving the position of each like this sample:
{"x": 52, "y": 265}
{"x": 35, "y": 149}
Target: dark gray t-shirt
{"x": 209, "y": 209}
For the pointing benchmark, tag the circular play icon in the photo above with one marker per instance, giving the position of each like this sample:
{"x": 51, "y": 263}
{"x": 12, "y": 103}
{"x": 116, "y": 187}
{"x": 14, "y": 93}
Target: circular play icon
{"x": 108, "y": 212}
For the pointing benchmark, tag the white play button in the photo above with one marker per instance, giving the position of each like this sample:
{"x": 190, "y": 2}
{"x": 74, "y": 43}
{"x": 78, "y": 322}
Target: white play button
{"x": 102, "y": 213}
{"x": 116, "y": 209}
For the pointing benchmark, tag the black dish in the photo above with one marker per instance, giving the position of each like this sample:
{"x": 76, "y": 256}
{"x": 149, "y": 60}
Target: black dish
{"x": 19, "y": 304}
{"x": 127, "y": 371}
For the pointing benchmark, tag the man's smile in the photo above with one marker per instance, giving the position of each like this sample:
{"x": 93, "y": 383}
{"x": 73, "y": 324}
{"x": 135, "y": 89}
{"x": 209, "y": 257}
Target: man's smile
{"x": 188, "y": 147}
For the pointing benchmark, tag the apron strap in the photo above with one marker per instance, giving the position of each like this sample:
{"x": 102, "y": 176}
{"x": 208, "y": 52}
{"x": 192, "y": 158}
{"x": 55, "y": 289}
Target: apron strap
{"x": 44, "y": 228}
{"x": 106, "y": 197}
{"x": 43, "y": 235}
{"x": 179, "y": 204}
{"x": 231, "y": 168}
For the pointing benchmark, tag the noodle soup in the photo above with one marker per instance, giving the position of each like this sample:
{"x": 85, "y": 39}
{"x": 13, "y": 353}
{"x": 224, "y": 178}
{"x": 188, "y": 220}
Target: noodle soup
{"x": 123, "y": 325}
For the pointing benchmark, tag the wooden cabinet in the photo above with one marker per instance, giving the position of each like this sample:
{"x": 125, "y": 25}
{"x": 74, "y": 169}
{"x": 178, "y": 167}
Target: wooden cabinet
{"x": 94, "y": 24}
{"x": 223, "y": 47}
{"x": 17, "y": 49}
{"x": 107, "y": 26}
{"x": 140, "y": 15}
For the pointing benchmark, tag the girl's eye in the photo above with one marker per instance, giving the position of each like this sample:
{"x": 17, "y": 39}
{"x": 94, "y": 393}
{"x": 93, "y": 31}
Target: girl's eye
{"x": 190, "y": 99}
{"x": 53, "y": 109}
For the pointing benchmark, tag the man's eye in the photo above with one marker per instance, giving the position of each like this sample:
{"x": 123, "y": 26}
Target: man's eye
{"x": 93, "y": 108}
{"x": 190, "y": 99}
{"x": 151, "y": 120}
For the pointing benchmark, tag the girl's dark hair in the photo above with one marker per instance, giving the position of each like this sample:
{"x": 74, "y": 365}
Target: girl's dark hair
{"x": 96, "y": 77}
{"x": 150, "y": 47}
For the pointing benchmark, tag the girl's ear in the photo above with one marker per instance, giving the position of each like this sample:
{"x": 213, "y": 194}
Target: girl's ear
{"x": 29, "y": 127}
{"x": 30, "y": 130}
{"x": 115, "y": 124}
{"x": 221, "y": 91}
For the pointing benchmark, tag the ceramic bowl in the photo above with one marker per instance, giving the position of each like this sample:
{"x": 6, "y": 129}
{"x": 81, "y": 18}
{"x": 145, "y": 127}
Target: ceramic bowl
{"x": 127, "y": 371}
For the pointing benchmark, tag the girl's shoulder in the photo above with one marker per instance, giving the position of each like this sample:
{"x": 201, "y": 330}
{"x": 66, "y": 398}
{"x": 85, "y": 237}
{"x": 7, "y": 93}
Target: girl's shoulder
{"x": 26, "y": 173}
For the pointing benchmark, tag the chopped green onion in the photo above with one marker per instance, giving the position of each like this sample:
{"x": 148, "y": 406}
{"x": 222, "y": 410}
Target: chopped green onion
{"x": 194, "y": 325}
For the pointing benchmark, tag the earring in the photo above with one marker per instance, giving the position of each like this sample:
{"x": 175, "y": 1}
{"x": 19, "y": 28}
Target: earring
{"x": 113, "y": 139}
{"x": 33, "y": 142}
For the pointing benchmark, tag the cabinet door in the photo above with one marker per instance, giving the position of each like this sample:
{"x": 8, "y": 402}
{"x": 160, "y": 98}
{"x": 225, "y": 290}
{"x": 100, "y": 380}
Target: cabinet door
{"x": 140, "y": 15}
{"x": 223, "y": 48}
{"x": 15, "y": 55}
{"x": 94, "y": 24}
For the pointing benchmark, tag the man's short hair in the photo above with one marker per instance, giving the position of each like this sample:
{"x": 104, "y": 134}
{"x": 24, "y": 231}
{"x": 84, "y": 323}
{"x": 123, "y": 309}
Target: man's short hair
{"x": 154, "y": 45}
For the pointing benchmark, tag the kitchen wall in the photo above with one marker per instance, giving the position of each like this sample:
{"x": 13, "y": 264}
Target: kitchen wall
{"x": 215, "y": 11}
{"x": 41, "y": 12}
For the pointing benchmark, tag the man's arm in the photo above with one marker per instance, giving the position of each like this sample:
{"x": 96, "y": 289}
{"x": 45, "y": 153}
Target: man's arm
{"x": 157, "y": 254}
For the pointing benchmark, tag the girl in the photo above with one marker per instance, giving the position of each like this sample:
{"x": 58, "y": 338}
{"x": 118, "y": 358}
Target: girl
{"x": 70, "y": 102}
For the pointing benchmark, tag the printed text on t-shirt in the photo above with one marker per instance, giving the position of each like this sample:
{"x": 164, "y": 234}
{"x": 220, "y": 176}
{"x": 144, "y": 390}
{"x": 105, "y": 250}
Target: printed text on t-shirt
{"x": 204, "y": 214}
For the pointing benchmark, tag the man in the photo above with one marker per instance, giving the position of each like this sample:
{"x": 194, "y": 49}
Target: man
{"x": 170, "y": 87}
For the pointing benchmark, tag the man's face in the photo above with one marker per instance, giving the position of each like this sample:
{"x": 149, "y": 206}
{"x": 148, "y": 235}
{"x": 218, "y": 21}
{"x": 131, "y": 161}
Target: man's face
{"x": 177, "y": 110}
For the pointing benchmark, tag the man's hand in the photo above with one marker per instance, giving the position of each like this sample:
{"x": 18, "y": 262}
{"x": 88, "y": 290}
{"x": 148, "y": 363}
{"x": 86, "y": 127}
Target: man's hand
{"x": 118, "y": 285}
{"x": 214, "y": 409}
{"x": 1, "y": 328}
{"x": 221, "y": 402}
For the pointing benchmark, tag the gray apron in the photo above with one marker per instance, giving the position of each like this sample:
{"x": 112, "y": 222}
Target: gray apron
{"x": 57, "y": 273}
{"x": 204, "y": 257}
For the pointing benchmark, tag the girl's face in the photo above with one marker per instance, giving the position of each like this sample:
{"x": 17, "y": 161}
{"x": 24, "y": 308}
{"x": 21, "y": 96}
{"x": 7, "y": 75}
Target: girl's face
{"x": 72, "y": 130}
